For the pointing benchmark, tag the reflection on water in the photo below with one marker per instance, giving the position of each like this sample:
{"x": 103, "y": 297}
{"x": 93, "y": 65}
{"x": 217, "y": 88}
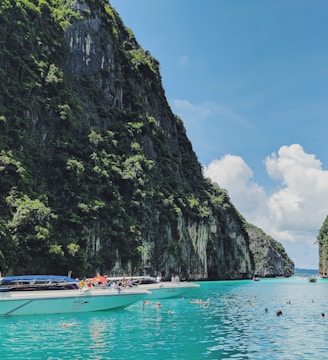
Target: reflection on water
{"x": 234, "y": 325}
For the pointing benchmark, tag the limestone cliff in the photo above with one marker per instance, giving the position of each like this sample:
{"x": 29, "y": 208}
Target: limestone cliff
{"x": 97, "y": 173}
{"x": 323, "y": 249}
{"x": 270, "y": 257}
{"x": 211, "y": 246}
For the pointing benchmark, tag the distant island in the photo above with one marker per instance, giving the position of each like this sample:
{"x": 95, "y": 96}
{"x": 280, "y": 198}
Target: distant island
{"x": 305, "y": 272}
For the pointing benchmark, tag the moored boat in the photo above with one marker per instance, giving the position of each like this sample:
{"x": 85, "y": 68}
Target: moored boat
{"x": 313, "y": 279}
{"x": 165, "y": 290}
{"x": 43, "y": 294}
{"x": 158, "y": 289}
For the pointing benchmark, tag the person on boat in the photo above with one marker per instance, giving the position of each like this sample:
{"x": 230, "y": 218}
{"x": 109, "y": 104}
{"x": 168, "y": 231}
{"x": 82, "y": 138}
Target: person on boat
{"x": 123, "y": 282}
{"x": 114, "y": 285}
{"x": 130, "y": 283}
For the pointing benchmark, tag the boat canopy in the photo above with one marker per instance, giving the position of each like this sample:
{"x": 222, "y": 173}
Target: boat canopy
{"x": 36, "y": 279}
{"x": 37, "y": 282}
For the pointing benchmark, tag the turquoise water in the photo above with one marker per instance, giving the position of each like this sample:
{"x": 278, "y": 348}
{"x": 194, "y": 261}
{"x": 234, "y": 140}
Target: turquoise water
{"x": 233, "y": 326}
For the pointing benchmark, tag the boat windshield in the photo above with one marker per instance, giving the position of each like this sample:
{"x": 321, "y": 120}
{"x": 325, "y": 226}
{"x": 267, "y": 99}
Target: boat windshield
{"x": 38, "y": 282}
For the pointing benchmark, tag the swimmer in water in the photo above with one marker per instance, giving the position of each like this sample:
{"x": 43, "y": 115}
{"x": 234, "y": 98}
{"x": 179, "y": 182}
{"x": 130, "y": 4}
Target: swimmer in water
{"x": 68, "y": 324}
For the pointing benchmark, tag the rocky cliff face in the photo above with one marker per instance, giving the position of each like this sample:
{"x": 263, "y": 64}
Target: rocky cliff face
{"x": 97, "y": 172}
{"x": 214, "y": 246}
{"x": 269, "y": 255}
{"x": 323, "y": 249}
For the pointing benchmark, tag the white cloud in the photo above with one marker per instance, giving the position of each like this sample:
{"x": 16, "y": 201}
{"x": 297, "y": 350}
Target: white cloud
{"x": 232, "y": 173}
{"x": 289, "y": 160}
{"x": 301, "y": 203}
{"x": 294, "y": 213}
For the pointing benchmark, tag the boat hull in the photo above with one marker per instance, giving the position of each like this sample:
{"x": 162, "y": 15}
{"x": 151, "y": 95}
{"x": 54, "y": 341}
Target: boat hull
{"x": 66, "y": 301}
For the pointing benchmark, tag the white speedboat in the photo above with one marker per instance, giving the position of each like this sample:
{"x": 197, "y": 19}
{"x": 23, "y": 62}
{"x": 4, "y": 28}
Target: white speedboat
{"x": 43, "y": 294}
{"x": 157, "y": 289}
{"x": 165, "y": 290}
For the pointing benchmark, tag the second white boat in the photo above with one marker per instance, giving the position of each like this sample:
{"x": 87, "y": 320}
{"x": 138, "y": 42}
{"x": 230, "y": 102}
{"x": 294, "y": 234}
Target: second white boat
{"x": 157, "y": 289}
{"x": 165, "y": 290}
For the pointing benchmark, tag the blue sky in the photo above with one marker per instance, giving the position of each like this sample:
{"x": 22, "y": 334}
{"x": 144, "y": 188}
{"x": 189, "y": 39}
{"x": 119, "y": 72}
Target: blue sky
{"x": 249, "y": 79}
